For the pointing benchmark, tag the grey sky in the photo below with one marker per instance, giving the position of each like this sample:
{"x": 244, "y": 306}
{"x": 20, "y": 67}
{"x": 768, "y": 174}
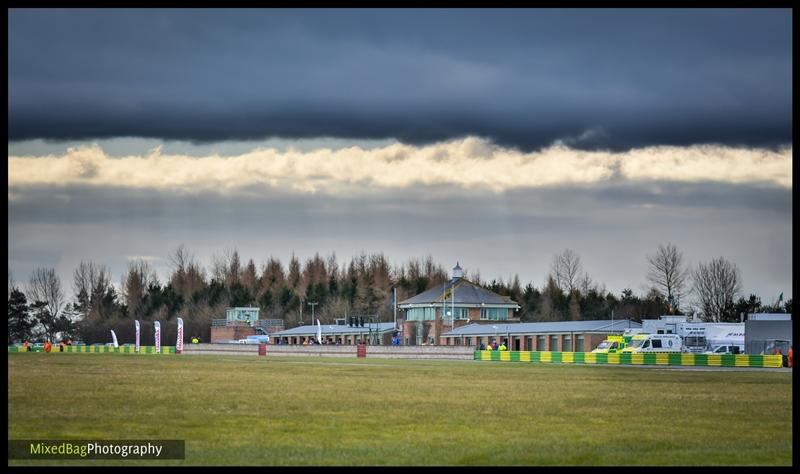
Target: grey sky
{"x": 207, "y": 88}
{"x": 613, "y": 228}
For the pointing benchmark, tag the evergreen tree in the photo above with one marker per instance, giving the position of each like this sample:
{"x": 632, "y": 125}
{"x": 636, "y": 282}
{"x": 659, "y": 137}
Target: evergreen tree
{"x": 19, "y": 318}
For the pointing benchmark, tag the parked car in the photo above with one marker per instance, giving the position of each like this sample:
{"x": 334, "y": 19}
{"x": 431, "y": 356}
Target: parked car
{"x": 726, "y": 349}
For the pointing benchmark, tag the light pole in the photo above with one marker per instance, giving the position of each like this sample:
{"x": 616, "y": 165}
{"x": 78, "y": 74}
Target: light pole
{"x": 312, "y": 304}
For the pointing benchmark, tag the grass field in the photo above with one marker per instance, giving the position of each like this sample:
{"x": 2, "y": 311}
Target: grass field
{"x": 311, "y": 411}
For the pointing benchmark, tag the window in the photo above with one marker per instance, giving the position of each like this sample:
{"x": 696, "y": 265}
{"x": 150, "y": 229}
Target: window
{"x": 554, "y": 343}
{"x": 646, "y": 345}
{"x": 578, "y": 343}
{"x": 494, "y": 314}
{"x": 540, "y": 342}
{"x": 567, "y": 343}
{"x": 468, "y": 341}
{"x": 656, "y": 343}
{"x": 421, "y": 314}
{"x": 460, "y": 313}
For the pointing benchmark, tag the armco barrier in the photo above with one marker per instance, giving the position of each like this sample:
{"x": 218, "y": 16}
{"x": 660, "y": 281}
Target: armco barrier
{"x": 101, "y": 349}
{"x": 650, "y": 358}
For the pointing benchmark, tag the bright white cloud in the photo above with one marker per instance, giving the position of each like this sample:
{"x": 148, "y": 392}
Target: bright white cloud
{"x": 467, "y": 163}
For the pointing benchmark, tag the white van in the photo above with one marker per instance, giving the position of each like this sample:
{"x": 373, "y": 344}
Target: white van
{"x": 726, "y": 349}
{"x": 655, "y": 343}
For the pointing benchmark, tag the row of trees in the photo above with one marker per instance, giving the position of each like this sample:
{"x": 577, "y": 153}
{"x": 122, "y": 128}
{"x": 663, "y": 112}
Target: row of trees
{"x": 362, "y": 286}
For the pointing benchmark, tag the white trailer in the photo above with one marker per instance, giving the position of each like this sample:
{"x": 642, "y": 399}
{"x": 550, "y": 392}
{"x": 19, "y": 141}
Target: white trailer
{"x": 702, "y": 337}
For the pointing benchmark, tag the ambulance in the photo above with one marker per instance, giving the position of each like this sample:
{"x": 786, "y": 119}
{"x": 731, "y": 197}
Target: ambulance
{"x": 654, "y": 343}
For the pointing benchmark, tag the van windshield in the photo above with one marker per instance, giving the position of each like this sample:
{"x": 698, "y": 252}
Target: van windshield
{"x": 637, "y": 343}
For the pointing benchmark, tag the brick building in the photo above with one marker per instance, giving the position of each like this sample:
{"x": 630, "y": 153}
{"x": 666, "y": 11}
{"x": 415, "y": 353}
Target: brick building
{"x": 564, "y": 336}
{"x": 458, "y": 302}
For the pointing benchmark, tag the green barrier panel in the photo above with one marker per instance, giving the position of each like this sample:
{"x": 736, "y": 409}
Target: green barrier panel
{"x": 115, "y": 350}
{"x": 627, "y": 358}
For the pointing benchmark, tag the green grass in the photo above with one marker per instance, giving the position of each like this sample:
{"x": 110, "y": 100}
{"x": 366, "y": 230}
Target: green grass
{"x": 235, "y": 410}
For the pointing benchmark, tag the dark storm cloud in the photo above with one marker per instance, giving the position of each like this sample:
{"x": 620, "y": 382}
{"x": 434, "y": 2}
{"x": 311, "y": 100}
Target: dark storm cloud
{"x": 609, "y": 78}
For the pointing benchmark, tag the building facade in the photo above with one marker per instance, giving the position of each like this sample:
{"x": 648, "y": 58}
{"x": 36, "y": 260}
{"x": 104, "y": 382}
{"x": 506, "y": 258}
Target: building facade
{"x": 563, "y": 336}
{"x": 370, "y": 333}
{"x": 457, "y": 303}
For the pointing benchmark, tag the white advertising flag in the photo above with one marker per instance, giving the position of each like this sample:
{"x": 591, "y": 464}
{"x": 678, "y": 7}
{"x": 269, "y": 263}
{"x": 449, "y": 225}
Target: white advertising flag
{"x": 157, "y": 326}
{"x": 179, "y": 342}
{"x": 114, "y": 338}
{"x": 138, "y": 335}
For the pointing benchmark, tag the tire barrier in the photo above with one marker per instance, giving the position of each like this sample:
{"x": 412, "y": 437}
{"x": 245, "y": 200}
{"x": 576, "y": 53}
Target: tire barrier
{"x": 98, "y": 349}
{"x": 650, "y": 358}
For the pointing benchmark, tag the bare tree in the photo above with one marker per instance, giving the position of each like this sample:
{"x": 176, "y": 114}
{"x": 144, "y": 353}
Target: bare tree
{"x": 90, "y": 282}
{"x": 135, "y": 283}
{"x": 668, "y": 274}
{"x": 716, "y": 285}
{"x": 45, "y": 287}
{"x": 187, "y": 276}
{"x": 586, "y": 284}
{"x": 10, "y": 282}
{"x": 566, "y": 269}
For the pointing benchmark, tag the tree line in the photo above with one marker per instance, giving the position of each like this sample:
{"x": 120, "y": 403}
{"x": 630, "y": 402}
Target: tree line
{"x": 363, "y": 286}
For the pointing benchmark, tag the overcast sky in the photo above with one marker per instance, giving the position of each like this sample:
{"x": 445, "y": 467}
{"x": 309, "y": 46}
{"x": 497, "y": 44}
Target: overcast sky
{"x": 495, "y": 138}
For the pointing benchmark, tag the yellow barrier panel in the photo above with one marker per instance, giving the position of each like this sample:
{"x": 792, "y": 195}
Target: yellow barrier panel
{"x": 773, "y": 361}
{"x": 660, "y": 358}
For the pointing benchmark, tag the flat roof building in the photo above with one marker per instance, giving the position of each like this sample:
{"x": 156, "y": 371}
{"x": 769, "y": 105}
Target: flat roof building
{"x": 371, "y": 333}
{"x": 565, "y": 336}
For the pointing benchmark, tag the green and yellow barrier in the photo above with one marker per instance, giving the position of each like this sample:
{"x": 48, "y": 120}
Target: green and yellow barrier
{"x": 627, "y": 358}
{"x": 98, "y": 349}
